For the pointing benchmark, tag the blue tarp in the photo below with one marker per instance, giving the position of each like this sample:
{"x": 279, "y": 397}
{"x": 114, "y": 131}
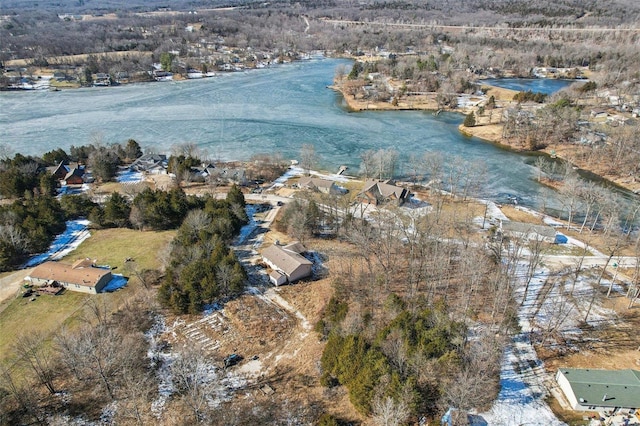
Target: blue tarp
{"x": 116, "y": 283}
{"x": 561, "y": 239}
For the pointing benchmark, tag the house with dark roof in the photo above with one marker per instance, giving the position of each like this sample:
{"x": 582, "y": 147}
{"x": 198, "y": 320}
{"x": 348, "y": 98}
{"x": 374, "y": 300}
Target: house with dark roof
{"x": 151, "y": 163}
{"x": 229, "y": 174}
{"x": 380, "y": 192}
{"x": 82, "y": 276}
{"x": 599, "y": 390}
{"x": 59, "y": 171}
{"x": 287, "y": 263}
{"x": 74, "y": 177}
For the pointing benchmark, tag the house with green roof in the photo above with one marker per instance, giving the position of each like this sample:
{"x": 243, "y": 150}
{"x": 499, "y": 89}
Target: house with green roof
{"x": 597, "y": 390}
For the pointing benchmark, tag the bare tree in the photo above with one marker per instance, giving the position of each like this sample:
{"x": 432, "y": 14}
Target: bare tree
{"x": 33, "y": 353}
{"x": 5, "y": 151}
{"x": 367, "y": 163}
{"x": 23, "y": 394}
{"x": 191, "y": 378}
{"x": 308, "y": 157}
{"x": 614, "y": 241}
{"x": 187, "y": 149}
{"x": 385, "y": 162}
{"x": 534, "y": 247}
{"x": 388, "y": 412}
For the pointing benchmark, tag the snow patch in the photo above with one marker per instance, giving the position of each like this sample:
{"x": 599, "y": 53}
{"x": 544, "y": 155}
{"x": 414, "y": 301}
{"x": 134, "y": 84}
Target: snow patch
{"x": 75, "y": 233}
{"x": 293, "y": 171}
{"x": 129, "y": 176}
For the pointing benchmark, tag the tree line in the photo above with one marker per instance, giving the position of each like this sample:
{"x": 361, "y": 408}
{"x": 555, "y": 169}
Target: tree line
{"x": 203, "y": 269}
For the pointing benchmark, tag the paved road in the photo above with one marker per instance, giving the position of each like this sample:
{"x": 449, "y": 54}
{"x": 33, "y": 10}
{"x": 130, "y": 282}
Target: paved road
{"x": 591, "y": 261}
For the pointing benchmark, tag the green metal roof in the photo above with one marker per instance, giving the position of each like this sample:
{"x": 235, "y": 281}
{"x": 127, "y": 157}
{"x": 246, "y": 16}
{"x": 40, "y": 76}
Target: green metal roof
{"x": 605, "y": 388}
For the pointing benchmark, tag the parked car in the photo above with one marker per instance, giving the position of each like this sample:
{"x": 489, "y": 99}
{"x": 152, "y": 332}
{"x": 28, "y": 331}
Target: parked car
{"x": 232, "y": 360}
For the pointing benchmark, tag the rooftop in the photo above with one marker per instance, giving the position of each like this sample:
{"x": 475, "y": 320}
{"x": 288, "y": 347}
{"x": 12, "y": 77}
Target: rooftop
{"x": 81, "y": 275}
{"x": 605, "y": 388}
{"x": 286, "y": 260}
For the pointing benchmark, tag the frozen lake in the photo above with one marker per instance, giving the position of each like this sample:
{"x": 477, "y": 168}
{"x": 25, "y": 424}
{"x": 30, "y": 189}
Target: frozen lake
{"x": 235, "y": 115}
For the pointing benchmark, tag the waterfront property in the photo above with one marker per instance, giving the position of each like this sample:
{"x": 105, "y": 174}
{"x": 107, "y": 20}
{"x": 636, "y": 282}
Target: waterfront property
{"x": 527, "y": 231}
{"x": 287, "y": 263}
{"x": 82, "y": 276}
{"x": 600, "y": 390}
{"x": 380, "y": 192}
{"x": 74, "y": 177}
{"x": 151, "y": 164}
{"x": 317, "y": 184}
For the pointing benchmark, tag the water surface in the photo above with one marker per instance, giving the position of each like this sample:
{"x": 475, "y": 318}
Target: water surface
{"x": 547, "y": 86}
{"x": 264, "y": 111}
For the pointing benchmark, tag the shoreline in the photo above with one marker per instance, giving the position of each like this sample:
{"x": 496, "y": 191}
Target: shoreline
{"x": 491, "y": 132}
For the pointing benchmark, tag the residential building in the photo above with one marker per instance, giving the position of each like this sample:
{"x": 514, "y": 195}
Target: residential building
{"x": 598, "y": 390}
{"x": 379, "y": 192}
{"x": 82, "y": 276}
{"x": 287, "y": 263}
{"x": 74, "y": 177}
{"x": 317, "y": 184}
{"x": 527, "y": 231}
{"x": 151, "y": 163}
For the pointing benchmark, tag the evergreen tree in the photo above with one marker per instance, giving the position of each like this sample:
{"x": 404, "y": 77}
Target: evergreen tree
{"x": 469, "y": 120}
{"x": 235, "y": 196}
{"x": 116, "y": 211}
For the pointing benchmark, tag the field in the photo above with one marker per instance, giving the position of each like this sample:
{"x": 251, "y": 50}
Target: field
{"x": 48, "y": 313}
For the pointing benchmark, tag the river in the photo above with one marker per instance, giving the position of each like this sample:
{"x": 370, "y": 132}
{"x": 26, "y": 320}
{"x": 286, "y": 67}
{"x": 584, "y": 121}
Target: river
{"x": 235, "y": 115}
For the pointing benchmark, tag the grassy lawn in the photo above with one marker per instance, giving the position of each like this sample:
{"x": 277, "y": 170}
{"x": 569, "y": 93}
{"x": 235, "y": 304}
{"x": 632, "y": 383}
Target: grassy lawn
{"x": 48, "y": 313}
{"x": 113, "y": 246}
{"x": 564, "y": 250}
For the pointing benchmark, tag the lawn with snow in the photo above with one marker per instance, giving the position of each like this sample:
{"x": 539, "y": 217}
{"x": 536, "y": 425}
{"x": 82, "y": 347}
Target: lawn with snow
{"x": 519, "y": 402}
{"x": 251, "y": 226}
{"x": 75, "y": 233}
{"x": 292, "y": 172}
{"x": 129, "y": 176}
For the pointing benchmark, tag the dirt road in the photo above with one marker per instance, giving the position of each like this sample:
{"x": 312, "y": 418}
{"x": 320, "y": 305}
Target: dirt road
{"x": 10, "y": 284}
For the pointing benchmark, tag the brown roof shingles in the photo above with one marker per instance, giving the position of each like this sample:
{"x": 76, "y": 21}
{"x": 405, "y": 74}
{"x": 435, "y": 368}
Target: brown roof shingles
{"x": 54, "y": 271}
{"x": 287, "y": 261}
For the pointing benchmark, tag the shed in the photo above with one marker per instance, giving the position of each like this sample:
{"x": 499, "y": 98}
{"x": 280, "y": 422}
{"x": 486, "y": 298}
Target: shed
{"x": 596, "y": 390}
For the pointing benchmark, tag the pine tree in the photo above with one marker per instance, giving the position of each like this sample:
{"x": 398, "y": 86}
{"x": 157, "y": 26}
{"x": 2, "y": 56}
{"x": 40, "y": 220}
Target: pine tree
{"x": 469, "y": 120}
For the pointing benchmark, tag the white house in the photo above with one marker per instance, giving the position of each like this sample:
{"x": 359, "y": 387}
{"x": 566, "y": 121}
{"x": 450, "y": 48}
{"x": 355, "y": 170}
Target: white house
{"x": 287, "y": 263}
{"x": 598, "y": 390}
